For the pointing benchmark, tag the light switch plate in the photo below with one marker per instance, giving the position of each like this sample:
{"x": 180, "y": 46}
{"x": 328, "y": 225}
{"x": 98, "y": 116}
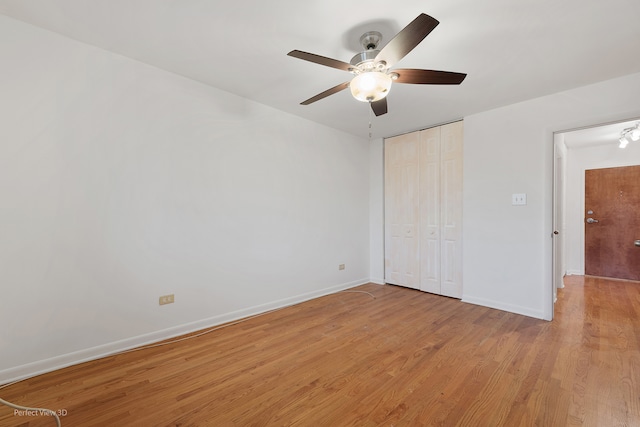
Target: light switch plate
{"x": 519, "y": 199}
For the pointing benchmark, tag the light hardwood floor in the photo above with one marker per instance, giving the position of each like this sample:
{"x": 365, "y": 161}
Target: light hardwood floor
{"x": 405, "y": 358}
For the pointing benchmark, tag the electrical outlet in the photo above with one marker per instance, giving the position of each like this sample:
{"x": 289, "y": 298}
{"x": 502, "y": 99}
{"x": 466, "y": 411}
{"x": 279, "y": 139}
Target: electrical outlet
{"x": 341, "y": 267}
{"x": 166, "y": 299}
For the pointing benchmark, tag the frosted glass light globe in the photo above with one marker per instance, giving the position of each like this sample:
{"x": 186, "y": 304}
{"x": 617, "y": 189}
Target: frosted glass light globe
{"x": 370, "y": 86}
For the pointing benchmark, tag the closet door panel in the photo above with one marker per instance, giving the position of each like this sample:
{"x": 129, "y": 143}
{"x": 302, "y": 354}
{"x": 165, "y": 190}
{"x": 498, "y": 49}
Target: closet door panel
{"x": 451, "y": 209}
{"x": 430, "y": 255}
{"x": 393, "y": 225}
{"x": 402, "y": 245}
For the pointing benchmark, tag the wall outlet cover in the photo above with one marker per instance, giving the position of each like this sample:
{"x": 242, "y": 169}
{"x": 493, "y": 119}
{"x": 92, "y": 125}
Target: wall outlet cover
{"x": 166, "y": 299}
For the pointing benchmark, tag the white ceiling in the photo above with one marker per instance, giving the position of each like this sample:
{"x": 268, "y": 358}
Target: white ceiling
{"x": 511, "y": 50}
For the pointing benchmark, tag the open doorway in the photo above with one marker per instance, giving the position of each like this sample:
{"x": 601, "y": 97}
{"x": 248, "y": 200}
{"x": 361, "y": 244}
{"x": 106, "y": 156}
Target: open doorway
{"x": 576, "y": 151}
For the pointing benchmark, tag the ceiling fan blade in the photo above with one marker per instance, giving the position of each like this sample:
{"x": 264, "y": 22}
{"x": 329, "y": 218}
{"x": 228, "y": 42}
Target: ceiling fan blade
{"x": 322, "y": 60}
{"x": 428, "y": 77}
{"x": 379, "y": 107}
{"x": 408, "y": 38}
{"x": 326, "y": 93}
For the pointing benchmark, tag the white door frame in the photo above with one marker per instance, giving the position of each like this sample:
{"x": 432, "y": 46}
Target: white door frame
{"x": 558, "y": 248}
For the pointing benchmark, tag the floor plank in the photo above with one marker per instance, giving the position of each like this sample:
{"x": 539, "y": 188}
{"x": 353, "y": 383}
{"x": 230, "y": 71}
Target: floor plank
{"x": 399, "y": 358}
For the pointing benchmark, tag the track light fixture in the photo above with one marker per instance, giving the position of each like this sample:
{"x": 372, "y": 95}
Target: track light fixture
{"x": 632, "y": 133}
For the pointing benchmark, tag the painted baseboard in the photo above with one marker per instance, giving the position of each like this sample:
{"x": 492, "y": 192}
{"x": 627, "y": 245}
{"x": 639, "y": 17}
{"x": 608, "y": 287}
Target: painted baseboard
{"x": 47, "y": 365}
{"x": 377, "y": 281}
{"x": 525, "y": 311}
{"x": 575, "y": 272}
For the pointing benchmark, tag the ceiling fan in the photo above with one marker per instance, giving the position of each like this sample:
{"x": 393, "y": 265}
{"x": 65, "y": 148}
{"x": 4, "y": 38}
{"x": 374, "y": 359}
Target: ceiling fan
{"x": 372, "y": 67}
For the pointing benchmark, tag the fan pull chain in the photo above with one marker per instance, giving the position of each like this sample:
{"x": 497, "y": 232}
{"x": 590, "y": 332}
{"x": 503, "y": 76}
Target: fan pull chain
{"x": 370, "y": 121}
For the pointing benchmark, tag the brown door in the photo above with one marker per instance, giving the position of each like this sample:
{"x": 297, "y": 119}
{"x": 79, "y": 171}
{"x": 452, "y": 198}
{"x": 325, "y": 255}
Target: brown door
{"x": 612, "y": 222}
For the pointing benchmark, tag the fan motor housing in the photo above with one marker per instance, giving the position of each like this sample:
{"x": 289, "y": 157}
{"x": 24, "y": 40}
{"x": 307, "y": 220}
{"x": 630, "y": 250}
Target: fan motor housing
{"x": 366, "y": 56}
{"x": 365, "y": 60}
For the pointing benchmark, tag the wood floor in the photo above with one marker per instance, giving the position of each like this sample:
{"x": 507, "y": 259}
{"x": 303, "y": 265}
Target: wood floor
{"x": 403, "y": 358}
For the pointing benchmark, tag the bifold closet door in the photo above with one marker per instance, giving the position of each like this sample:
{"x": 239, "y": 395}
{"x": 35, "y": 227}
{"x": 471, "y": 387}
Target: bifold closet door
{"x": 402, "y": 210}
{"x": 441, "y": 210}
{"x": 423, "y": 210}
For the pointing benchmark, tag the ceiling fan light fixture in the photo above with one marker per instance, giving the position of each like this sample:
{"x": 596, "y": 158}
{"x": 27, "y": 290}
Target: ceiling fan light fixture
{"x": 623, "y": 142}
{"x": 635, "y": 133}
{"x": 372, "y": 68}
{"x": 370, "y": 86}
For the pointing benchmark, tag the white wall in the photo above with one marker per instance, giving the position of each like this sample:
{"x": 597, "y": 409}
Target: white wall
{"x": 579, "y": 160}
{"x": 376, "y": 211}
{"x": 120, "y": 182}
{"x": 507, "y": 249}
